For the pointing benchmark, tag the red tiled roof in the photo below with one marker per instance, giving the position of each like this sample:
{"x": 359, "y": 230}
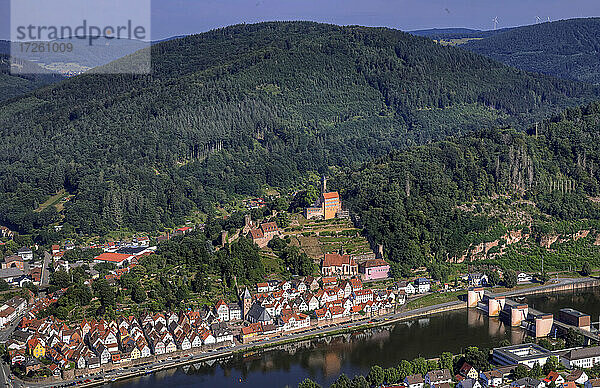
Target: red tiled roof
{"x": 256, "y": 233}
{"x": 112, "y": 257}
{"x": 336, "y": 310}
{"x": 331, "y": 195}
{"x": 12, "y": 258}
{"x": 374, "y": 263}
{"x": 552, "y": 376}
{"x": 252, "y": 328}
{"x": 337, "y": 260}
{"x": 268, "y": 227}
{"x": 358, "y": 308}
{"x": 355, "y": 283}
{"x": 466, "y": 367}
{"x": 6, "y": 312}
{"x": 220, "y": 303}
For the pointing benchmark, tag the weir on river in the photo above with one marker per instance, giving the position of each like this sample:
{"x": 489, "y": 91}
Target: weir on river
{"x": 538, "y": 323}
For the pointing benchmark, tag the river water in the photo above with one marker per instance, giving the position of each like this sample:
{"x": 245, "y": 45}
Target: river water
{"x": 323, "y": 360}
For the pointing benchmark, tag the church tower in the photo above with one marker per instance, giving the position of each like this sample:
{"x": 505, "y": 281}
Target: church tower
{"x": 323, "y": 185}
{"x": 246, "y": 300}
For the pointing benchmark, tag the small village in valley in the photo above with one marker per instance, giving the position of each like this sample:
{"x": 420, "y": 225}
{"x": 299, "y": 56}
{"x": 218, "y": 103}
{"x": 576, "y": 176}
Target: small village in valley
{"x": 354, "y": 288}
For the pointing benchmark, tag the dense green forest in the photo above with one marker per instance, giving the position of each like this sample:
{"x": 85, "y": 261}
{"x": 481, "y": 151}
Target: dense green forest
{"x": 422, "y": 203}
{"x": 238, "y": 108}
{"x": 14, "y": 86}
{"x": 566, "y": 48}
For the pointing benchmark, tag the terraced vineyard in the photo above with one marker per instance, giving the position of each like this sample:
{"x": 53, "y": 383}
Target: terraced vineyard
{"x": 316, "y": 238}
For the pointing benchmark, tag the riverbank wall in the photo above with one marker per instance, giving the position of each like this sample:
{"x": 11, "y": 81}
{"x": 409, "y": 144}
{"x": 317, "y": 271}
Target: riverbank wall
{"x": 579, "y": 284}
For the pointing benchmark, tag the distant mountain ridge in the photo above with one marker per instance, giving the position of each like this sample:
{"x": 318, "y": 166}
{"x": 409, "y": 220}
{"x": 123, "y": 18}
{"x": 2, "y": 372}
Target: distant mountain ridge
{"x": 456, "y": 33}
{"x": 568, "y": 49}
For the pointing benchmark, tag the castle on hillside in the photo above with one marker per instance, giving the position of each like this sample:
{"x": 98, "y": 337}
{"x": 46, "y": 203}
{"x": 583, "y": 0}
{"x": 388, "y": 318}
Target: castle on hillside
{"x": 260, "y": 234}
{"x": 328, "y": 205}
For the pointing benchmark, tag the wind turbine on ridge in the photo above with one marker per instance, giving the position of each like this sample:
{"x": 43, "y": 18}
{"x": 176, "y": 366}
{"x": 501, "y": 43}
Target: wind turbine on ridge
{"x": 495, "y": 20}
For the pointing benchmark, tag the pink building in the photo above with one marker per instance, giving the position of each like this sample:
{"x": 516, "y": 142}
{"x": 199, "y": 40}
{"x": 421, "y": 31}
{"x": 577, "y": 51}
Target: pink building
{"x": 374, "y": 269}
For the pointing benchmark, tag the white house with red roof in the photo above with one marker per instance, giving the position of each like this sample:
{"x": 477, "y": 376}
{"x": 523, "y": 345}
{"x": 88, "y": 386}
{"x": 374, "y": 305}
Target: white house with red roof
{"x": 294, "y": 321}
{"x": 222, "y": 310}
{"x": 363, "y": 296}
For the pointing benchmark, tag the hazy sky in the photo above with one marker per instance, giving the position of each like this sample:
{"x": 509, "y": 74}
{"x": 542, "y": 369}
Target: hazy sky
{"x": 177, "y": 17}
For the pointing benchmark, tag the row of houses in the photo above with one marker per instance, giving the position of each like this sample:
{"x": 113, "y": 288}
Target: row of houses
{"x": 280, "y": 307}
{"x": 91, "y": 344}
{"x": 418, "y": 286}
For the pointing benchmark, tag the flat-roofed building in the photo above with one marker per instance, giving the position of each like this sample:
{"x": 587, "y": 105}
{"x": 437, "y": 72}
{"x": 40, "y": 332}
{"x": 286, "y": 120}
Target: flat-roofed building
{"x": 525, "y": 354}
{"x": 574, "y": 318}
{"x": 542, "y": 324}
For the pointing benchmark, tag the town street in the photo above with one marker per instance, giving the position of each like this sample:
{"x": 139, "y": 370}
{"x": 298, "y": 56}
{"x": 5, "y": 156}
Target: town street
{"x": 46, "y": 270}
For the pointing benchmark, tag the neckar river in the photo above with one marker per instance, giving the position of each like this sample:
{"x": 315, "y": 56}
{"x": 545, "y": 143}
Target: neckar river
{"x": 323, "y": 360}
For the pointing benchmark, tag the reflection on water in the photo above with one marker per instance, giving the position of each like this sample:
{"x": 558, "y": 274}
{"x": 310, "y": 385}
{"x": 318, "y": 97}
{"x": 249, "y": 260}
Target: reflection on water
{"x": 586, "y": 301}
{"x": 352, "y": 353}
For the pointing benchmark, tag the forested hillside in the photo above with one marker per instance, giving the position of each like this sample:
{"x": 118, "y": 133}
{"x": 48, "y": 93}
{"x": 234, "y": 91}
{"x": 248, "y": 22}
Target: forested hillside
{"x": 13, "y": 86}
{"x": 442, "y": 199}
{"x": 567, "y": 48}
{"x": 235, "y": 109}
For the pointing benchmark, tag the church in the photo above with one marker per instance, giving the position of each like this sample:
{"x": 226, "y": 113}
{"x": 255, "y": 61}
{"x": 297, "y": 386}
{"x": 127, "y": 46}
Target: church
{"x": 328, "y": 205}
